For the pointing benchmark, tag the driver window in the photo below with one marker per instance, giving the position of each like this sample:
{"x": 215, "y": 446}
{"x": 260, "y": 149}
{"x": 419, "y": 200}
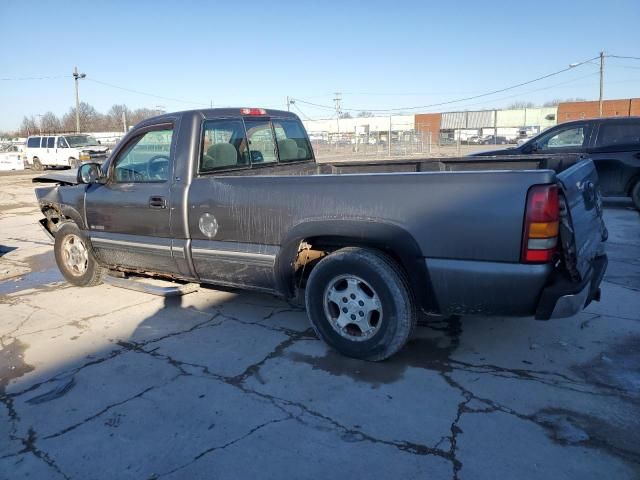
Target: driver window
{"x": 146, "y": 159}
{"x": 571, "y": 137}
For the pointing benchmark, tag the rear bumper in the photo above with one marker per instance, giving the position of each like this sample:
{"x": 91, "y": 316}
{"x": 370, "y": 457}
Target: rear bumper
{"x": 487, "y": 288}
{"x": 512, "y": 289}
{"x": 563, "y": 298}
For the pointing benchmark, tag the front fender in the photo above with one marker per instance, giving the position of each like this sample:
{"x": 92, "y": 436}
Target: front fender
{"x": 68, "y": 201}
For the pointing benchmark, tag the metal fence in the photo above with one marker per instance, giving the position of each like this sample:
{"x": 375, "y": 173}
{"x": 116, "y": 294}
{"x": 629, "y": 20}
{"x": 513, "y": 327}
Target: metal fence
{"x": 398, "y": 141}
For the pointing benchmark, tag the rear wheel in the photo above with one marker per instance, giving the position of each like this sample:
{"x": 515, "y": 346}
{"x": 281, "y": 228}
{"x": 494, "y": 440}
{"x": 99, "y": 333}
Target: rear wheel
{"x": 360, "y": 303}
{"x": 74, "y": 257}
{"x": 635, "y": 195}
{"x": 36, "y": 164}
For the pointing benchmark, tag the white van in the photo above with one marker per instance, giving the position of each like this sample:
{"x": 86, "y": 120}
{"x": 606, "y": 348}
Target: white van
{"x": 68, "y": 150}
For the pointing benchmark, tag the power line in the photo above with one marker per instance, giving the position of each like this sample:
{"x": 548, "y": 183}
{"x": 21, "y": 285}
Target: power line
{"x": 473, "y": 97}
{"x": 49, "y": 77}
{"x": 147, "y": 94}
{"x": 304, "y": 115}
{"x": 622, "y": 56}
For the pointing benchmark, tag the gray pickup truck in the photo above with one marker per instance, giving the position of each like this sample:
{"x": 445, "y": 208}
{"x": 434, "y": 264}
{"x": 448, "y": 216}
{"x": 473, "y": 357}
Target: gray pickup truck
{"x": 234, "y": 197}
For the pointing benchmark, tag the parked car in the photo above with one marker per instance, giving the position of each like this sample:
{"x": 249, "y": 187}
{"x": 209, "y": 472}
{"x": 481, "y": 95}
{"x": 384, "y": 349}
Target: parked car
{"x": 612, "y": 143}
{"x": 234, "y": 197}
{"x": 11, "y": 158}
{"x": 495, "y": 140}
{"x": 68, "y": 150}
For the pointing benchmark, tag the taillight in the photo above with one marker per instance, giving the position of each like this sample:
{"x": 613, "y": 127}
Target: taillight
{"x": 253, "y": 111}
{"x": 541, "y": 225}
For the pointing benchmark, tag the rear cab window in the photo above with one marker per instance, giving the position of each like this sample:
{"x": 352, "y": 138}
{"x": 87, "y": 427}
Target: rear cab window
{"x": 33, "y": 142}
{"x": 248, "y": 142}
{"x": 292, "y": 141}
{"x": 619, "y": 134}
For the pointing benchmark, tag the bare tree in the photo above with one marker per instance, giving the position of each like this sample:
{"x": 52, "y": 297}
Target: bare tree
{"x": 557, "y": 101}
{"x": 89, "y": 118}
{"x": 142, "y": 114}
{"x": 28, "y": 126}
{"x": 114, "y": 116}
{"x": 517, "y": 105}
{"x": 365, "y": 114}
{"x": 50, "y": 123}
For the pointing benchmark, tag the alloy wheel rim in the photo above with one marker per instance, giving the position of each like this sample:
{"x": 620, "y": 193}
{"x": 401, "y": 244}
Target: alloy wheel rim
{"x": 75, "y": 255}
{"x": 352, "y": 307}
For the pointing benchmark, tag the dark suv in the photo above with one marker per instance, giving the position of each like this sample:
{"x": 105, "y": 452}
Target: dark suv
{"x": 612, "y": 143}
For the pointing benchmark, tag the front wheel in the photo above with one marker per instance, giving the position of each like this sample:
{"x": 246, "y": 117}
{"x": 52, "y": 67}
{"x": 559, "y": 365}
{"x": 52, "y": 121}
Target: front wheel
{"x": 635, "y": 195}
{"x": 74, "y": 162}
{"x": 360, "y": 303}
{"x": 74, "y": 257}
{"x": 37, "y": 165}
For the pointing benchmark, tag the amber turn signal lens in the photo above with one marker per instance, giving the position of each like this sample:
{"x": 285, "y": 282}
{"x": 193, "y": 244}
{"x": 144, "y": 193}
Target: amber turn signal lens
{"x": 543, "y": 229}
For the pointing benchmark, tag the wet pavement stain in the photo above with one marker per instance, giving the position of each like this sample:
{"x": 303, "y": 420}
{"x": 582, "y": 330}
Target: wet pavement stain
{"x": 617, "y": 367}
{"x": 12, "y": 364}
{"x": 425, "y": 352}
{"x": 566, "y": 427}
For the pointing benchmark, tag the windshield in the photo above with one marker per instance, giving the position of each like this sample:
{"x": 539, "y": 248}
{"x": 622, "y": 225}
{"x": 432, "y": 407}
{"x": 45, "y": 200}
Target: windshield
{"x": 81, "y": 140}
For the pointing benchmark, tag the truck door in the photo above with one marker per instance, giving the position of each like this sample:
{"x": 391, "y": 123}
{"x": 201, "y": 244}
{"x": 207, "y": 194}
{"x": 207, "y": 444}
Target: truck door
{"x": 129, "y": 216}
{"x": 616, "y": 155}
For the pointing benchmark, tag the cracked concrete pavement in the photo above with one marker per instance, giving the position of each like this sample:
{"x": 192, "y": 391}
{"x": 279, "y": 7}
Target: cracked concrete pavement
{"x": 111, "y": 383}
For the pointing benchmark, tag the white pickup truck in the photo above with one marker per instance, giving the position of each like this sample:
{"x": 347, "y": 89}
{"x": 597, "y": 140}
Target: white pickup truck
{"x": 68, "y": 150}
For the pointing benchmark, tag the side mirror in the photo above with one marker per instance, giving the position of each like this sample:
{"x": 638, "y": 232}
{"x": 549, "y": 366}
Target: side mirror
{"x": 89, "y": 173}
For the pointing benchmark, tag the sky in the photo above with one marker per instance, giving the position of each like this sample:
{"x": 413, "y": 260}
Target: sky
{"x": 380, "y": 55}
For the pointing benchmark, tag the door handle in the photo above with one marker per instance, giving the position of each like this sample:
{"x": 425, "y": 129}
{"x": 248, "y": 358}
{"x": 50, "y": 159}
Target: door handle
{"x": 157, "y": 202}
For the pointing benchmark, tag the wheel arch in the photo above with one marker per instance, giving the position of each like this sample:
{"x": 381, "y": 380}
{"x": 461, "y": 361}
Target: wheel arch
{"x": 334, "y": 234}
{"x": 635, "y": 178}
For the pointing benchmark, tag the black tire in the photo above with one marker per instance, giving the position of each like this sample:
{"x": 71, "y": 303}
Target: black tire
{"x": 635, "y": 195}
{"x": 37, "y": 165}
{"x": 70, "y": 236}
{"x": 374, "y": 272}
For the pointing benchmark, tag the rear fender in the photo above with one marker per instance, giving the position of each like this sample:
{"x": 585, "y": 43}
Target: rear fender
{"x": 389, "y": 238}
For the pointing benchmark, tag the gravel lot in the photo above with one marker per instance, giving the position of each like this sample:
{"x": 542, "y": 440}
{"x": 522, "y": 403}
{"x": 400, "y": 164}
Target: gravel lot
{"x": 110, "y": 383}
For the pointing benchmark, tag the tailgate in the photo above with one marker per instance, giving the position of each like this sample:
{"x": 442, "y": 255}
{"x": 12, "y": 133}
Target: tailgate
{"x": 582, "y": 229}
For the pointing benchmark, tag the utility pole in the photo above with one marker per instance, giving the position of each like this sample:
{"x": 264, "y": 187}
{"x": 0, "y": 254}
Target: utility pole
{"x": 288, "y": 104}
{"x": 76, "y": 77}
{"x": 601, "y": 83}
{"x": 338, "y": 101}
